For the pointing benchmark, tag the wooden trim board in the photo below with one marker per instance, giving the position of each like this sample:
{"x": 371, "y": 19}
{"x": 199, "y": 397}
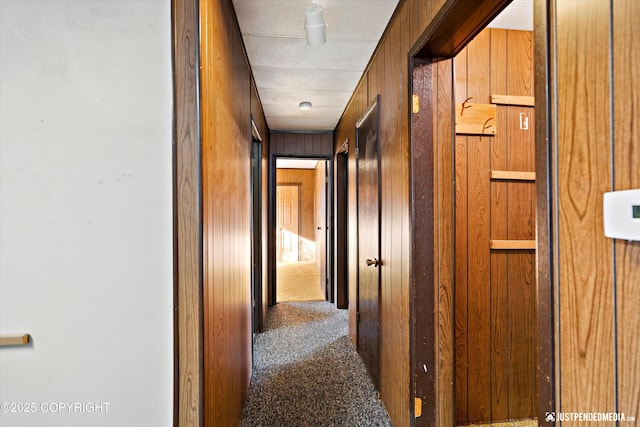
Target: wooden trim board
{"x": 7, "y": 340}
{"x": 513, "y": 175}
{"x": 525, "y": 101}
{"x": 512, "y": 244}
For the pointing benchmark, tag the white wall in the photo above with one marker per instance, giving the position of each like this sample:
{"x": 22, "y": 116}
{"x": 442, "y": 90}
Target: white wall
{"x": 85, "y": 211}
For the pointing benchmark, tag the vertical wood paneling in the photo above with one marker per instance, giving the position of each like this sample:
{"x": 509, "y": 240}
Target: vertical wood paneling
{"x": 188, "y": 390}
{"x": 626, "y": 88}
{"x": 495, "y": 296}
{"x": 521, "y": 282}
{"x": 226, "y": 153}
{"x": 304, "y": 144}
{"x": 461, "y": 251}
{"x": 596, "y": 152}
{"x": 479, "y": 229}
{"x": 444, "y": 243}
{"x": 500, "y": 334}
{"x": 388, "y": 77}
{"x": 584, "y": 158}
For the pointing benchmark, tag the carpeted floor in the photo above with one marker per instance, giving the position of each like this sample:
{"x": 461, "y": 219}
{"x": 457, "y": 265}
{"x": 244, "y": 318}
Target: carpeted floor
{"x": 298, "y": 281}
{"x": 307, "y": 372}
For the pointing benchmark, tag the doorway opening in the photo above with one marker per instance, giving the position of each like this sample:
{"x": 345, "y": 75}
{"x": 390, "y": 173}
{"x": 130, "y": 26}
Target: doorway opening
{"x": 473, "y": 205}
{"x": 303, "y": 241}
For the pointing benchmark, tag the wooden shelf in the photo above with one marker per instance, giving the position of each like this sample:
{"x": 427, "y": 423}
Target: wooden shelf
{"x": 525, "y": 101}
{"x": 513, "y": 175}
{"x": 7, "y": 340}
{"x": 512, "y": 244}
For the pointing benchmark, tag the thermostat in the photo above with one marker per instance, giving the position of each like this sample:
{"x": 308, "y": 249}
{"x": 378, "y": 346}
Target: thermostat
{"x": 622, "y": 214}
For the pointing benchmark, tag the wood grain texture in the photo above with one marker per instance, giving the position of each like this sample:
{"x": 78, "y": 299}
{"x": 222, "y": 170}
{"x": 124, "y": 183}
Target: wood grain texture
{"x": 501, "y": 339}
{"x": 461, "y": 251}
{"x": 444, "y": 243}
{"x": 226, "y": 154}
{"x": 188, "y": 362}
{"x": 526, "y": 101}
{"x": 597, "y": 282}
{"x": 479, "y": 228}
{"x": 424, "y": 240}
{"x": 495, "y": 296}
{"x": 544, "y": 125}
{"x": 513, "y": 175}
{"x": 475, "y": 119}
{"x": 512, "y": 244}
{"x": 521, "y": 208}
{"x": 303, "y": 144}
{"x": 10, "y": 340}
{"x": 626, "y": 87}
{"x": 387, "y": 75}
{"x": 584, "y": 160}
{"x": 454, "y": 25}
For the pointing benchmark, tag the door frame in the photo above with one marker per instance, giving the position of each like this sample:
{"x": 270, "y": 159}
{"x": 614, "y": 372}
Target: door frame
{"x": 256, "y": 229}
{"x": 273, "y": 262}
{"x": 341, "y": 210}
{"x": 431, "y": 293}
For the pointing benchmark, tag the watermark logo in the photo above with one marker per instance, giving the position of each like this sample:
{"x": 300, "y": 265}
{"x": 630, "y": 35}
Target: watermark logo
{"x": 54, "y": 407}
{"x": 552, "y": 417}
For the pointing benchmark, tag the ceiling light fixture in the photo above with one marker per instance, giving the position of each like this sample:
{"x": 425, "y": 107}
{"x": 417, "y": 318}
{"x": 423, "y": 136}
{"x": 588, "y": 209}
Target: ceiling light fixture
{"x": 314, "y": 25}
{"x": 305, "y": 105}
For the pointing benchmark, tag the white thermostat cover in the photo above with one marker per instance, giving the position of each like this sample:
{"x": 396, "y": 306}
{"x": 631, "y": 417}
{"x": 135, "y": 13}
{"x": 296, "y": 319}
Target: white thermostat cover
{"x": 622, "y": 215}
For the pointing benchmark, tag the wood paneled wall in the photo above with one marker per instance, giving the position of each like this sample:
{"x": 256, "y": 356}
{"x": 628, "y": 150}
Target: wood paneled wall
{"x": 305, "y": 178}
{"x": 226, "y": 93}
{"x": 387, "y": 76}
{"x": 304, "y": 144}
{"x": 594, "y": 148}
{"x": 495, "y": 289}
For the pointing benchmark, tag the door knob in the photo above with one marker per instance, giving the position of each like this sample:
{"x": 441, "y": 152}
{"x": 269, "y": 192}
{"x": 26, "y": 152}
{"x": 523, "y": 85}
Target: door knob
{"x": 373, "y": 262}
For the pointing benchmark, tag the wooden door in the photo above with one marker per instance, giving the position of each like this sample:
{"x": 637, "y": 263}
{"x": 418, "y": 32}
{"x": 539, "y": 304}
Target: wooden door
{"x": 288, "y": 218}
{"x": 368, "y": 184}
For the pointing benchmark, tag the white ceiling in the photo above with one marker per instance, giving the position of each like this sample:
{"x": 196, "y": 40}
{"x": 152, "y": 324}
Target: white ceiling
{"x": 287, "y": 71}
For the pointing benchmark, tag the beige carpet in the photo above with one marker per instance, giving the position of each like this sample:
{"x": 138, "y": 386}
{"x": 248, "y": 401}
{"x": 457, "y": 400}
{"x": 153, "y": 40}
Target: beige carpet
{"x": 298, "y": 281}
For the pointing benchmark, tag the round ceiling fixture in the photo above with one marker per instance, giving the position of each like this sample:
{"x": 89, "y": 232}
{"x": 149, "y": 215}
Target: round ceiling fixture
{"x": 305, "y": 105}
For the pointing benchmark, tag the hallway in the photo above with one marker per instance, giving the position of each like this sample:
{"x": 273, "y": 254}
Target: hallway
{"x": 307, "y": 372}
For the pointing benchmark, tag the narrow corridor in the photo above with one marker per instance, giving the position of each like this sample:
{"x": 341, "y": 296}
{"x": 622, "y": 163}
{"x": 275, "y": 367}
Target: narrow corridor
{"x": 307, "y": 372}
